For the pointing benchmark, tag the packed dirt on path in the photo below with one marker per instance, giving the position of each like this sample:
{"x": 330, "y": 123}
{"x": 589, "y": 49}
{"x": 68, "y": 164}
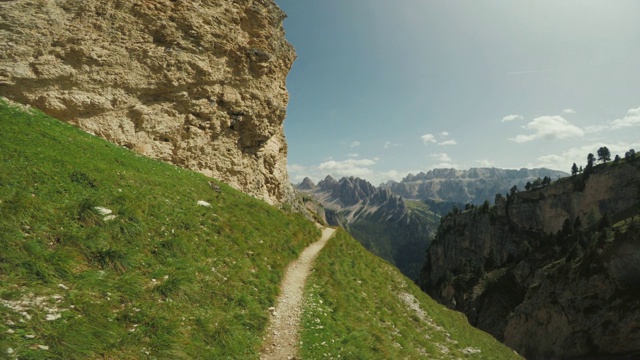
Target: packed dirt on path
{"x": 283, "y": 335}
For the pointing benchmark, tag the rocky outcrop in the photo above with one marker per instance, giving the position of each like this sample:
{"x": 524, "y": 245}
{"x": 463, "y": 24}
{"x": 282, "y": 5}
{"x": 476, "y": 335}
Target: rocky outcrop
{"x": 380, "y": 220}
{"x": 306, "y": 184}
{"x": 544, "y": 270}
{"x": 200, "y": 84}
{"x": 466, "y": 186}
{"x": 348, "y": 191}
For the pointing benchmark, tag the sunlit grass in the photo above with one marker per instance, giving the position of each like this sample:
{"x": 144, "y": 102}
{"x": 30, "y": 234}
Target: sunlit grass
{"x": 359, "y": 307}
{"x": 165, "y": 278}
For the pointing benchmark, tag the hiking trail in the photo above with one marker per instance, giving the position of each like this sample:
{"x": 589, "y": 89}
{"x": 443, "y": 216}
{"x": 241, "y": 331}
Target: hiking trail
{"x": 282, "y": 338}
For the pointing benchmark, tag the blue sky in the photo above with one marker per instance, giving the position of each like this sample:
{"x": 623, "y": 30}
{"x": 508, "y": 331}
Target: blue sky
{"x": 383, "y": 88}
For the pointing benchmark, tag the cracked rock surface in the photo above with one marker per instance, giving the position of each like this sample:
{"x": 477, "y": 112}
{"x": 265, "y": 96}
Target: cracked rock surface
{"x": 198, "y": 83}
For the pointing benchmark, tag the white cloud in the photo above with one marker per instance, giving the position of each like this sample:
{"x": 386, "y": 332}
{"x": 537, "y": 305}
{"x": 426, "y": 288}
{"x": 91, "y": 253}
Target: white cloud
{"x": 363, "y": 168}
{"x": 512, "y": 118}
{"x": 350, "y": 167}
{"x": 549, "y": 128}
{"x": 295, "y": 168}
{"x": 568, "y": 111}
{"x": 596, "y": 128}
{"x": 486, "y": 163}
{"x": 441, "y": 157}
{"x": 354, "y": 144}
{"x": 428, "y": 138}
{"x": 297, "y": 173}
{"x": 388, "y": 175}
{"x": 353, "y": 155}
{"x": 578, "y": 155}
{"x": 445, "y": 165}
{"x": 345, "y": 164}
{"x": 631, "y": 119}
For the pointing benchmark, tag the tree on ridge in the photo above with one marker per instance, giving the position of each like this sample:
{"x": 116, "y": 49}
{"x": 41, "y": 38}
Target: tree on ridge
{"x": 604, "y": 154}
{"x": 590, "y": 160}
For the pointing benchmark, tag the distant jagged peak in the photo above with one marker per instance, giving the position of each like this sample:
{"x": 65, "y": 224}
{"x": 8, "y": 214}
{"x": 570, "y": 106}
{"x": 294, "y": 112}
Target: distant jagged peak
{"x": 349, "y": 191}
{"x": 306, "y": 184}
{"x": 328, "y": 183}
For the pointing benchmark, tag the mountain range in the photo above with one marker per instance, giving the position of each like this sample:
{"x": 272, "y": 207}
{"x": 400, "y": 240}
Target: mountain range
{"x": 395, "y": 229}
{"x": 474, "y": 185}
{"x": 397, "y": 220}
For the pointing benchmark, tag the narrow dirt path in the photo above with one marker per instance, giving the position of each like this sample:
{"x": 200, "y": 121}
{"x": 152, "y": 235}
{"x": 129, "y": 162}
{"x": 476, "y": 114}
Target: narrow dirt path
{"x": 283, "y": 335}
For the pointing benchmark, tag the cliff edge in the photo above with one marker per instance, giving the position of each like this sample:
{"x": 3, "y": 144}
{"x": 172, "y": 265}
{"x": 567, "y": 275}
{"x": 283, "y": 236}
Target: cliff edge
{"x": 200, "y": 84}
{"x": 553, "y": 271}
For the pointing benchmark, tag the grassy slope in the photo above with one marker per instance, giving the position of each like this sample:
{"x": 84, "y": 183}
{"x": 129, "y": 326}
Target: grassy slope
{"x": 353, "y": 310}
{"x": 170, "y": 279}
{"x": 165, "y": 279}
{"x": 402, "y": 244}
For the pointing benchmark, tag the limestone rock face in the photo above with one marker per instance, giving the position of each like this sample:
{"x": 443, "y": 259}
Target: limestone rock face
{"x": 544, "y": 270}
{"x": 466, "y": 186}
{"x": 198, "y": 83}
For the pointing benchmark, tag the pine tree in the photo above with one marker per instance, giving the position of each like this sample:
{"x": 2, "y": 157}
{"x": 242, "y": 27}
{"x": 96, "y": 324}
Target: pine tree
{"x": 604, "y": 154}
{"x": 589, "y": 168}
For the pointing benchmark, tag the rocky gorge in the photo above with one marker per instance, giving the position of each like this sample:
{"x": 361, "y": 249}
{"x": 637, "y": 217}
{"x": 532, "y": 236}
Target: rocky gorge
{"x": 200, "y": 84}
{"x": 553, "y": 271}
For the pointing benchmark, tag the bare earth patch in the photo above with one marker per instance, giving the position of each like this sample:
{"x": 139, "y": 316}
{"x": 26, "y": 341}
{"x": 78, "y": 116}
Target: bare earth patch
{"x": 283, "y": 335}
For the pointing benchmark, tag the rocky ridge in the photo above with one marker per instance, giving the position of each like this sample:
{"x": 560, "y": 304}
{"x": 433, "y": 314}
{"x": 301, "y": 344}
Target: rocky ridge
{"x": 378, "y": 219}
{"x": 197, "y": 83}
{"x": 553, "y": 272}
{"x": 474, "y": 185}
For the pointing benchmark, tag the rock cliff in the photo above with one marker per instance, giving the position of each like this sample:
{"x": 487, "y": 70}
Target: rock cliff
{"x": 197, "y": 83}
{"x": 553, "y": 272}
{"x": 466, "y": 186}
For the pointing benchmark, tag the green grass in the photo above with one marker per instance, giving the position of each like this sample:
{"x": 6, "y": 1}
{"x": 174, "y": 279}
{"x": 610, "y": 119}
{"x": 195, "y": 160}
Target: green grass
{"x": 165, "y": 279}
{"x": 401, "y": 242}
{"x": 422, "y": 208}
{"x": 353, "y": 310}
{"x": 170, "y": 279}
